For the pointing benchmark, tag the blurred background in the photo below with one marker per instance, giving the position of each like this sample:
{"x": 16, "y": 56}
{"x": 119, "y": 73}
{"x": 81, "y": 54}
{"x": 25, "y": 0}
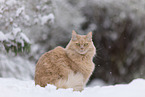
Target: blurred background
{"x": 29, "y": 28}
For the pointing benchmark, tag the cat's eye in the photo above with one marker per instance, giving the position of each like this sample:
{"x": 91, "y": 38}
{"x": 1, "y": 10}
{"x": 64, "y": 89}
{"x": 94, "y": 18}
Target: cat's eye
{"x": 78, "y": 44}
{"x": 85, "y": 44}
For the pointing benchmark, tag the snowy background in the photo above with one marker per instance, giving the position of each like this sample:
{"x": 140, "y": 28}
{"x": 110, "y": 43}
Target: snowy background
{"x": 28, "y": 28}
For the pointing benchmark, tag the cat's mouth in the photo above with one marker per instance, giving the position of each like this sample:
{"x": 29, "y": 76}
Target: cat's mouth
{"x": 82, "y": 51}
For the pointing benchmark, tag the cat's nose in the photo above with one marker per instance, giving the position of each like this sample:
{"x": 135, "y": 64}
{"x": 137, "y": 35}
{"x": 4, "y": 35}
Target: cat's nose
{"x": 82, "y": 47}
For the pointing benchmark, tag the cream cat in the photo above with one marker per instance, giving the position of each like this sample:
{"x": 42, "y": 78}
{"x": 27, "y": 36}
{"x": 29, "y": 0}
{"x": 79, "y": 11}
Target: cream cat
{"x": 69, "y": 67}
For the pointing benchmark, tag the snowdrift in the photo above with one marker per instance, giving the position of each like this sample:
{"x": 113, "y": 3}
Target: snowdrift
{"x": 17, "y": 88}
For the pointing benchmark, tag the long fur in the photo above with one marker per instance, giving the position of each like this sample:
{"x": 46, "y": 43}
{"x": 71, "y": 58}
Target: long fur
{"x": 67, "y": 67}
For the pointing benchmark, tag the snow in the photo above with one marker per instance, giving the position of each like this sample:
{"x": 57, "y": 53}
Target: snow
{"x": 16, "y": 30}
{"x": 2, "y": 1}
{"x": 97, "y": 82}
{"x": 25, "y": 37}
{"x": 15, "y": 35}
{"x": 17, "y": 88}
{"x": 11, "y": 2}
{"x": 16, "y": 66}
{"x": 2, "y": 36}
{"x": 19, "y": 11}
{"x": 9, "y": 36}
{"x": 17, "y": 24}
{"x": 44, "y": 19}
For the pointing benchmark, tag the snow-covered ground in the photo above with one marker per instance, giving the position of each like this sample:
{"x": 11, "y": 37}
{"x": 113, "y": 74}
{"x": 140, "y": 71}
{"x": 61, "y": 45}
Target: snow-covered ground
{"x": 17, "y": 88}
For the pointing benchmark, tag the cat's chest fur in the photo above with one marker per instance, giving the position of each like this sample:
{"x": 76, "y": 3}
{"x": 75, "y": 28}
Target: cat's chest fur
{"x": 80, "y": 69}
{"x": 76, "y": 63}
{"x": 81, "y": 63}
{"x": 72, "y": 62}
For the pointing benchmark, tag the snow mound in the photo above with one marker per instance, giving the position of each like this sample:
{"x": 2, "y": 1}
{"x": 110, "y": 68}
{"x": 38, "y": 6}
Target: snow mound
{"x": 18, "y": 88}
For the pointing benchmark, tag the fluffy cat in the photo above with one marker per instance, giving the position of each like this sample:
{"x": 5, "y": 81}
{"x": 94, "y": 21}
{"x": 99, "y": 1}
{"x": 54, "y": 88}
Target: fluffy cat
{"x": 69, "y": 67}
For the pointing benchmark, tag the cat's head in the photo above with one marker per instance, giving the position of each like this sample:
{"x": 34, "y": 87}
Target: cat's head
{"x": 81, "y": 43}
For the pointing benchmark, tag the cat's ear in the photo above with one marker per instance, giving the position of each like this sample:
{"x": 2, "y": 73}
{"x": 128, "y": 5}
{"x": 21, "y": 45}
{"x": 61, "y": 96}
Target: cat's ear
{"x": 89, "y": 36}
{"x": 74, "y": 35}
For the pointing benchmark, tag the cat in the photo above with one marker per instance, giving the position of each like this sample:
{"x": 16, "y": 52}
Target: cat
{"x": 69, "y": 67}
